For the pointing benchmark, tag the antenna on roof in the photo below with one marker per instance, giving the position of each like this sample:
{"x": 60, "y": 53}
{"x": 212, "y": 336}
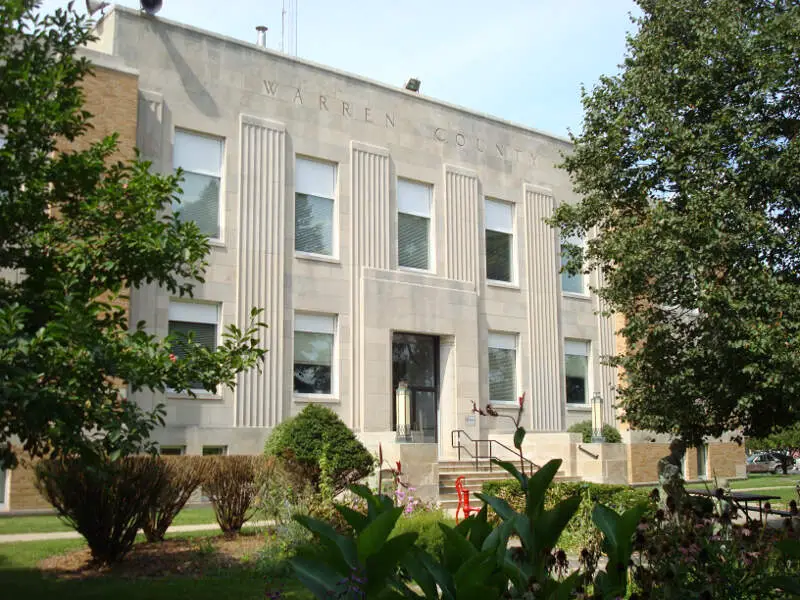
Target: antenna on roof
{"x": 289, "y": 27}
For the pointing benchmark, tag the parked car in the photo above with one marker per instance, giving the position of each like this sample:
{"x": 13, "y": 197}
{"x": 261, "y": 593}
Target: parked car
{"x": 763, "y": 463}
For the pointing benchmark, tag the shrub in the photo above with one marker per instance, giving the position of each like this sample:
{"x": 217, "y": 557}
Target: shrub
{"x": 430, "y": 538}
{"x": 301, "y": 441}
{"x": 106, "y": 502}
{"x": 232, "y": 484}
{"x": 581, "y": 531}
{"x": 184, "y": 476}
{"x": 585, "y": 428}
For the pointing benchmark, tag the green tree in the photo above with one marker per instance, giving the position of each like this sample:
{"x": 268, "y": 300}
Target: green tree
{"x": 688, "y": 164}
{"x": 76, "y": 232}
{"x": 786, "y": 438}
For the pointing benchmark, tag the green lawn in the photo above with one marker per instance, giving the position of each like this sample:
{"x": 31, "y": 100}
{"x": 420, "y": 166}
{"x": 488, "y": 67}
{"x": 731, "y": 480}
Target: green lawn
{"x": 19, "y": 578}
{"x": 769, "y": 485}
{"x": 51, "y": 523}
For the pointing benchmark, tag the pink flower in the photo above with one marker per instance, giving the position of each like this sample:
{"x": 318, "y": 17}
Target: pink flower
{"x": 173, "y": 358}
{"x": 521, "y": 400}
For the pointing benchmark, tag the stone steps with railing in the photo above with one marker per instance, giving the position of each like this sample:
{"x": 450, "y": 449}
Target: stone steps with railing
{"x": 475, "y": 475}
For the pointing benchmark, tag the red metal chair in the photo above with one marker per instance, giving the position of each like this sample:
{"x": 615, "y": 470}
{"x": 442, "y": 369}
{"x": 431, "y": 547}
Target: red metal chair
{"x": 463, "y": 500}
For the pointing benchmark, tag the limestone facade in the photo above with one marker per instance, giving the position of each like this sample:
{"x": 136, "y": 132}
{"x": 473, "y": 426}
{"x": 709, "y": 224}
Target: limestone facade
{"x": 267, "y": 109}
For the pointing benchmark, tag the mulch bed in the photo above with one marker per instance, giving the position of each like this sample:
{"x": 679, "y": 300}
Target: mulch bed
{"x": 188, "y": 557}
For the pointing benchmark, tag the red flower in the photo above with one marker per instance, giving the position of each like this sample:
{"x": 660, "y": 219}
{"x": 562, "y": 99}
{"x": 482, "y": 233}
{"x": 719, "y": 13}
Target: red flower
{"x": 522, "y": 400}
{"x": 399, "y": 467}
{"x": 173, "y": 358}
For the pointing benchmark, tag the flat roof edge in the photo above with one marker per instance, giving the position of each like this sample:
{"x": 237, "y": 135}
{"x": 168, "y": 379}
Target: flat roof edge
{"x": 358, "y": 78}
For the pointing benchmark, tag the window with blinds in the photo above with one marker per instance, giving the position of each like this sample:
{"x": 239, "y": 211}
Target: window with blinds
{"x": 571, "y": 283}
{"x": 315, "y": 193}
{"x": 499, "y": 240}
{"x": 502, "y": 367}
{"x": 413, "y": 224}
{"x": 200, "y": 157}
{"x": 314, "y": 342}
{"x": 576, "y": 368}
{"x": 193, "y": 323}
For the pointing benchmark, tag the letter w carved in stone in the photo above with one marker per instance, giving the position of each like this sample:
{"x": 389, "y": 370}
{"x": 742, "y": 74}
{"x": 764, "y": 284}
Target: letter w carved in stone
{"x": 271, "y": 87}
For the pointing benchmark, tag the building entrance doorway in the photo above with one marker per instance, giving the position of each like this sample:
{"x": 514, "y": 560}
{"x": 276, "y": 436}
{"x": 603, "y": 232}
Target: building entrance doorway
{"x": 415, "y": 372}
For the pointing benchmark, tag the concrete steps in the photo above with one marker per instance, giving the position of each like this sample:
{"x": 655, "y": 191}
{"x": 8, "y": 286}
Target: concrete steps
{"x": 474, "y": 478}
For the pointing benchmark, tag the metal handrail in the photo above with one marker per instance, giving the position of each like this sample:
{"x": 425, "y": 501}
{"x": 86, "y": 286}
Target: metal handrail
{"x": 455, "y": 442}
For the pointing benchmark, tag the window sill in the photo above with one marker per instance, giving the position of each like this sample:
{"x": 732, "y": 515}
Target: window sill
{"x": 316, "y": 257}
{"x": 202, "y": 395}
{"x": 316, "y": 398}
{"x": 576, "y": 296}
{"x": 415, "y": 270}
{"x": 216, "y": 243}
{"x": 512, "y": 405}
{"x": 579, "y": 407}
{"x": 510, "y": 285}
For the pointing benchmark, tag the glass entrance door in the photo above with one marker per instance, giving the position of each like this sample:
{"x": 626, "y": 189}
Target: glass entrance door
{"x": 415, "y": 361}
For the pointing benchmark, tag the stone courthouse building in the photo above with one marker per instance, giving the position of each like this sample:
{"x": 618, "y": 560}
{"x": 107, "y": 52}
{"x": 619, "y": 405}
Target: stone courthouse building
{"x": 397, "y": 244}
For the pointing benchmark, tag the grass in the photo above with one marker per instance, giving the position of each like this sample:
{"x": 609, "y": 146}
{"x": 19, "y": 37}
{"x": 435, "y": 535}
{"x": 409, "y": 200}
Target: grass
{"x": 51, "y": 523}
{"x": 763, "y": 483}
{"x": 19, "y": 578}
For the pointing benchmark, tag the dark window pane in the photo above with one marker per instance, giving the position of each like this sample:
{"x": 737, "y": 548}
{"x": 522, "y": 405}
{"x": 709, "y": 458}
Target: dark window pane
{"x": 498, "y": 255}
{"x": 414, "y": 360}
{"x": 312, "y": 379}
{"x": 502, "y": 375}
{"x": 412, "y": 241}
{"x": 200, "y": 202}
{"x": 204, "y": 334}
{"x": 313, "y": 224}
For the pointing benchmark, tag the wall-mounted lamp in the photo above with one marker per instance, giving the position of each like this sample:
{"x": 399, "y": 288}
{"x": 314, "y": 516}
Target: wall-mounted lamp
{"x": 403, "y": 407}
{"x": 597, "y": 419}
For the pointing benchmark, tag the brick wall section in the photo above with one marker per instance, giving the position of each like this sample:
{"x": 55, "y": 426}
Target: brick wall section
{"x": 23, "y": 494}
{"x": 643, "y": 461}
{"x": 726, "y": 460}
{"x": 112, "y": 98}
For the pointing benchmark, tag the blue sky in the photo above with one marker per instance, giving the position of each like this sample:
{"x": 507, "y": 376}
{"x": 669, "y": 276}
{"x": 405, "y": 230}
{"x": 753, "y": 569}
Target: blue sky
{"x": 521, "y": 60}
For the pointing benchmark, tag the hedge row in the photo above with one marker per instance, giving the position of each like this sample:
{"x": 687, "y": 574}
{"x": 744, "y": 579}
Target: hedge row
{"x": 580, "y": 532}
{"x": 109, "y": 501}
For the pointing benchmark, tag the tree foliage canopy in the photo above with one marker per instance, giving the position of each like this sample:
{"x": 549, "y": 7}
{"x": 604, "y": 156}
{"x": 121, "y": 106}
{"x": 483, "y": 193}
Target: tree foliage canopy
{"x": 786, "y": 438}
{"x": 77, "y": 230}
{"x": 689, "y": 167}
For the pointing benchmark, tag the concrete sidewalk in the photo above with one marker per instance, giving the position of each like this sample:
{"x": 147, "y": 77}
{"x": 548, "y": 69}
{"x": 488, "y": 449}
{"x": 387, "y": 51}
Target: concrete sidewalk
{"x": 74, "y": 535}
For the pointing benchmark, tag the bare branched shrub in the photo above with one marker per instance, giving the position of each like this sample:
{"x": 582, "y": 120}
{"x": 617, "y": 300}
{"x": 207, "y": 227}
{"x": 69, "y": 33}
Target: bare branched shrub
{"x": 106, "y": 502}
{"x": 232, "y": 484}
{"x": 184, "y": 475}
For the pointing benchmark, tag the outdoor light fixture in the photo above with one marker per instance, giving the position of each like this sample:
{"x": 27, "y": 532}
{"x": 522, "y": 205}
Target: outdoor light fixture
{"x": 403, "y": 407}
{"x": 597, "y": 419}
{"x": 412, "y": 85}
{"x": 151, "y": 7}
{"x": 92, "y": 6}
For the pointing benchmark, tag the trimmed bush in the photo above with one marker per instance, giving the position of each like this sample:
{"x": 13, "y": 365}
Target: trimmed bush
{"x": 585, "y": 428}
{"x": 581, "y": 531}
{"x": 232, "y": 484}
{"x": 106, "y": 502}
{"x": 302, "y": 440}
{"x": 184, "y": 476}
{"x": 430, "y": 538}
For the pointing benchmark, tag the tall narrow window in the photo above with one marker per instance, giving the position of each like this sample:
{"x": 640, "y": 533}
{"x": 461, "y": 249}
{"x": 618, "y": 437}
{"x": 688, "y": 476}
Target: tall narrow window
{"x": 200, "y": 157}
{"x": 499, "y": 240}
{"x": 574, "y": 284}
{"x": 576, "y": 366}
{"x": 702, "y": 461}
{"x": 4, "y": 475}
{"x": 502, "y": 367}
{"x": 413, "y": 224}
{"x": 195, "y": 321}
{"x": 314, "y": 206}
{"x": 314, "y": 337}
